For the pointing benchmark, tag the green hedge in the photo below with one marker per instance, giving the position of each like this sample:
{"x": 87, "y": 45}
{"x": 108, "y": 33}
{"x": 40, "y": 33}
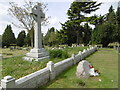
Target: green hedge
{"x": 58, "y": 54}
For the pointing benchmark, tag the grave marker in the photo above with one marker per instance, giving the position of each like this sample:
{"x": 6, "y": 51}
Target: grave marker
{"x": 37, "y": 53}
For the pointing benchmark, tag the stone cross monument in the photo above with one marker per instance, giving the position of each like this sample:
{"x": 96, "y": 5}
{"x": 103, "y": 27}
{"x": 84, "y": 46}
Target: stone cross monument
{"x": 37, "y": 53}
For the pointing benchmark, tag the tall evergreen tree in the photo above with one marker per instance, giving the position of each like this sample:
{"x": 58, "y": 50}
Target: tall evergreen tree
{"x": 103, "y": 34}
{"x": 106, "y": 32}
{"x": 8, "y": 37}
{"x": 111, "y": 17}
{"x": 20, "y": 39}
{"x": 76, "y": 15}
{"x": 96, "y": 20}
{"x": 61, "y": 37}
{"x": 78, "y": 9}
{"x": 118, "y": 15}
{"x": 117, "y": 31}
{"x": 51, "y": 37}
{"x": 87, "y": 34}
{"x": 27, "y": 40}
{"x": 69, "y": 31}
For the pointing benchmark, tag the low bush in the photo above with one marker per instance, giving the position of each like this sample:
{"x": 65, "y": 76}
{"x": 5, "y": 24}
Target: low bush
{"x": 58, "y": 54}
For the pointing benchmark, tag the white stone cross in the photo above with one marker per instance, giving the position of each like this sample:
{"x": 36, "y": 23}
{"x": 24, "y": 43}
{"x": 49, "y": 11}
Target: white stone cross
{"x": 38, "y": 16}
{"x": 37, "y": 12}
{"x": 37, "y": 53}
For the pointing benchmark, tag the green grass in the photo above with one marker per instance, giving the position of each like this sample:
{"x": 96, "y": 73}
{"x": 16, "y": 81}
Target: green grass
{"x": 104, "y": 60}
{"x": 10, "y": 53}
{"x": 74, "y": 50}
{"x": 17, "y": 68}
{"x": 0, "y": 69}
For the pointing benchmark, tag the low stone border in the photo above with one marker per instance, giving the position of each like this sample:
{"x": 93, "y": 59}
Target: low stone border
{"x": 46, "y": 74}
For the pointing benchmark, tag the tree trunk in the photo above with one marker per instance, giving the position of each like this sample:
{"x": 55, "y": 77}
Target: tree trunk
{"x": 32, "y": 36}
{"x": 78, "y": 38}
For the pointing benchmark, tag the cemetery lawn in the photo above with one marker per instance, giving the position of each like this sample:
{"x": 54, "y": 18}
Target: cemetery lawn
{"x": 11, "y": 53}
{"x": 13, "y": 65}
{"x": 105, "y": 60}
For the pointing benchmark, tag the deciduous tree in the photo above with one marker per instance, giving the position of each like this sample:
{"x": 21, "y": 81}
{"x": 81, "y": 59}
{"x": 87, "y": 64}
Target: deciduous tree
{"x": 24, "y": 16}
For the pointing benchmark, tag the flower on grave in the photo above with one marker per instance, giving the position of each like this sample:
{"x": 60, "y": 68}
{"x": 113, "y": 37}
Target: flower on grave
{"x": 100, "y": 80}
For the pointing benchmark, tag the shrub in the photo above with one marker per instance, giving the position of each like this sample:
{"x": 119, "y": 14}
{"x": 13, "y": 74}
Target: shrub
{"x": 65, "y": 54}
{"x": 58, "y": 54}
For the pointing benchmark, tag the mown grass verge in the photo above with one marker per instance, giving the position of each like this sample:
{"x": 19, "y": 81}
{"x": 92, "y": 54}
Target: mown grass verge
{"x": 104, "y": 60}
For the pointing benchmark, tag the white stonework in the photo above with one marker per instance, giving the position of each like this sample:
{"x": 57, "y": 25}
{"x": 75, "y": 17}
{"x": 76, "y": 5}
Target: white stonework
{"x": 50, "y": 65}
{"x": 8, "y": 82}
{"x": 73, "y": 57}
{"x": 37, "y": 53}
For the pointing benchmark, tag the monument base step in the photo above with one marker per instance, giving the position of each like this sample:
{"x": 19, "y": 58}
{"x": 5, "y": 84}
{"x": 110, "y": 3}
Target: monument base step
{"x": 36, "y": 55}
{"x": 35, "y": 59}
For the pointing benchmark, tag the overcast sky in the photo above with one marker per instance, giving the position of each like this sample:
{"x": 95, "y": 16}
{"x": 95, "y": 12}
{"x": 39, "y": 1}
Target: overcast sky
{"x": 57, "y": 9}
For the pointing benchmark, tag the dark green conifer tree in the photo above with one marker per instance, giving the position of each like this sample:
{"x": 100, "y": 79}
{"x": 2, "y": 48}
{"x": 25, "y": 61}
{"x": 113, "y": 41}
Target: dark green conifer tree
{"x": 8, "y": 37}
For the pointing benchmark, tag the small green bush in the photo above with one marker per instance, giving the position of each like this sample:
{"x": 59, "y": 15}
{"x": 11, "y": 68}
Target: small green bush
{"x": 65, "y": 54}
{"x": 58, "y": 54}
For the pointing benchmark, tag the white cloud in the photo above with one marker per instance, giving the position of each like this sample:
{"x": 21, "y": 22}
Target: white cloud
{"x": 54, "y": 20}
{"x": 37, "y": 0}
{"x": 3, "y": 8}
{"x": 18, "y": 1}
{"x": 3, "y": 25}
{"x": 57, "y": 0}
{"x": 6, "y": 19}
{"x": 107, "y": 0}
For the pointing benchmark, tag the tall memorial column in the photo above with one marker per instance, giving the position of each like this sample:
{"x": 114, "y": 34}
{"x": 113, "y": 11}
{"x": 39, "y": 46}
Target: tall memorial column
{"x": 37, "y": 53}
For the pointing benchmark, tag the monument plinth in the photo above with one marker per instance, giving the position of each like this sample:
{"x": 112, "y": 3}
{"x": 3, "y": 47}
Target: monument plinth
{"x": 37, "y": 53}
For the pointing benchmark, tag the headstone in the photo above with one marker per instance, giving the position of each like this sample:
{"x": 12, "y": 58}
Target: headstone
{"x": 37, "y": 53}
{"x": 83, "y": 69}
{"x": 1, "y": 56}
{"x": 82, "y": 45}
